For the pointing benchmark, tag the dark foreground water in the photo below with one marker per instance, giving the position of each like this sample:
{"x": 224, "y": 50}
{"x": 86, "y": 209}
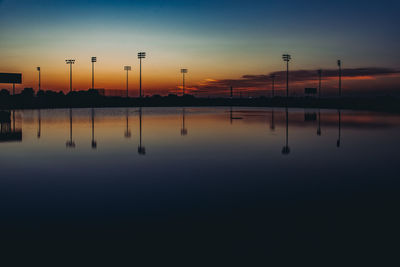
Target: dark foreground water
{"x": 209, "y": 185}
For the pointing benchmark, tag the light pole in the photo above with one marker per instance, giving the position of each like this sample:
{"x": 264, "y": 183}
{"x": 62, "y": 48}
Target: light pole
{"x": 70, "y": 62}
{"x": 127, "y": 69}
{"x": 287, "y": 58}
{"x": 319, "y": 82}
{"x": 94, "y": 60}
{"x": 339, "y": 63}
{"x": 141, "y": 55}
{"x": 38, "y": 69}
{"x": 183, "y": 71}
{"x": 273, "y": 76}
{"x": 70, "y": 143}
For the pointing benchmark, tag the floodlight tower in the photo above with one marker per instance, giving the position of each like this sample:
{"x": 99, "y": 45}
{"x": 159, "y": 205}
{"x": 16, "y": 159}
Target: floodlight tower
{"x": 273, "y": 76}
{"x": 287, "y": 58}
{"x": 70, "y": 62}
{"x": 94, "y": 60}
{"x": 319, "y": 82}
{"x": 183, "y": 71}
{"x": 141, "y": 55}
{"x": 339, "y": 63}
{"x": 127, "y": 69}
{"x": 286, "y": 148}
{"x": 38, "y": 69}
{"x": 70, "y": 143}
{"x": 141, "y": 149}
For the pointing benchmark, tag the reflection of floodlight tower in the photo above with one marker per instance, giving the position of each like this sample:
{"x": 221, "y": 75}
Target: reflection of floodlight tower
{"x": 231, "y": 92}
{"x": 183, "y": 130}
{"x": 319, "y": 82}
{"x": 127, "y": 131}
{"x": 286, "y": 148}
{"x": 273, "y": 76}
{"x": 141, "y": 149}
{"x": 319, "y": 123}
{"x": 127, "y": 69}
{"x": 70, "y": 143}
{"x": 339, "y": 63}
{"x": 287, "y": 58}
{"x": 94, "y": 60}
{"x": 141, "y": 55}
{"x": 39, "y": 124}
{"x": 339, "y": 126}
{"x": 70, "y": 62}
{"x": 183, "y": 71}
{"x": 272, "y": 126}
{"x": 94, "y": 143}
{"x": 38, "y": 69}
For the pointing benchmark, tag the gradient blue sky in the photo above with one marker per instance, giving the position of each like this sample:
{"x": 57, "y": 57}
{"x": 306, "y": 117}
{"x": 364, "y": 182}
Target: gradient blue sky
{"x": 214, "y": 39}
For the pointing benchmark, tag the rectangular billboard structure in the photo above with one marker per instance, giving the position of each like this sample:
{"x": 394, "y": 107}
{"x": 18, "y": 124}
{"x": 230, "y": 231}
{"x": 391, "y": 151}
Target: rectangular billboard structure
{"x": 10, "y": 78}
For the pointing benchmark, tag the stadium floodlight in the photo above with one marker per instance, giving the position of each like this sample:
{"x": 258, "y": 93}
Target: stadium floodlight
{"x": 93, "y": 60}
{"x": 127, "y": 69}
{"x": 287, "y": 58}
{"x": 141, "y": 55}
{"x": 70, "y": 62}
{"x": 183, "y": 71}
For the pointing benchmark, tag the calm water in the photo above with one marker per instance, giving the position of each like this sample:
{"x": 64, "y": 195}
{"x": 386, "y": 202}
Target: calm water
{"x": 252, "y": 180}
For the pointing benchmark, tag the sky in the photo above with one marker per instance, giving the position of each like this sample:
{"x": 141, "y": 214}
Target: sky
{"x": 222, "y": 43}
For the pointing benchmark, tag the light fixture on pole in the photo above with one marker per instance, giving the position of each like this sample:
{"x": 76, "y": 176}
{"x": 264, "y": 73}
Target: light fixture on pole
{"x": 287, "y": 58}
{"x": 94, "y": 60}
{"x": 70, "y": 62}
{"x": 141, "y": 55}
{"x": 38, "y": 69}
{"x": 183, "y": 71}
{"x": 127, "y": 69}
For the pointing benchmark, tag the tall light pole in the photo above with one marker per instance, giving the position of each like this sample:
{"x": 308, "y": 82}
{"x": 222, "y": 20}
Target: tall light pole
{"x": 319, "y": 82}
{"x": 38, "y": 69}
{"x": 273, "y": 76}
{"x": 339, "y": 63}
{"x": 287, "y": 58}
{"x": 70, "y": 62}
{"x": 127, "y": 69}
{"x": 183, "y": 71}
{"x": 94, "y": 60}
{"x": 141, "y": 55}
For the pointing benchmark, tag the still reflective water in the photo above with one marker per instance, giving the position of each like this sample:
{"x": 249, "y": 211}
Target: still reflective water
{"x": 218, "y": 177}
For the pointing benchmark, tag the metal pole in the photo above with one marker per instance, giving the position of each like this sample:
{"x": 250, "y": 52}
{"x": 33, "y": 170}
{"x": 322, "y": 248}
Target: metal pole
{"x": 319, "y": 85}
{"x": 287, "y": 79}
{"x": 127, "y": 86}
{"x": 70, "y": 78}
{"x": 13, "y": 88}
{"x": 39, "y": 79}
{"x": 140, "y": 82}
{"x": 340, "y": 80}
{"x": 183, "y": 87}
{"x": 273, "y": 86}
{"x": 92, "y": 75}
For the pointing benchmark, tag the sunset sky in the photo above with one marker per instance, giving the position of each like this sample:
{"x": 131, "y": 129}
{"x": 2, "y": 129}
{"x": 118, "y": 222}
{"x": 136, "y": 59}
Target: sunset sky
{"x": 221, "y": 42}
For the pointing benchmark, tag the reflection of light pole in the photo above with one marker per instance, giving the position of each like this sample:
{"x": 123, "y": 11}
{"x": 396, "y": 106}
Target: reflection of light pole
{"x": 141, "y": 149}
{"x": 127, "y": 131}
{"x": 39, "y": 124}
{"x": 339, "y": 63}
{"x": 319, "y": 82}
{"x": 286, "y": 148}
{"x": 319, "y": 123}
{"x": 70, "y": 62}
{"x": 70, "y": 143}
{"x": 183, "y": 130}
{"x": 38, "y": 69}
{"x": 273, "y": 76}
{"x": 94, "y": 143}
{"x": 141, "y": 55}
{"x": 183, "y": 71}
{"x": 127, "y": 69}
{"x": 339, "y": 126}
{"x": 287, "y": 58}
{"x": 272, "y": 126}
{"x": 94, "y": 60}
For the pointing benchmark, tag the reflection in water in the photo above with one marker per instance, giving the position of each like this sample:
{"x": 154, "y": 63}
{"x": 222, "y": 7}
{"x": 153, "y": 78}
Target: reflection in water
{"x": 70, "y": 143}
{"x": 319, "y": 123}
{"x": 184, "y": 131}
{"x": 141, "y": 149}
{"x": 127, "y": 130}
{"x": 286, "y": 148}
{"x": 39, "y": 133}
{"x": 8, "y": 133}
{"x": 272, "y": 124}
{"x": 94, "y": 143}
{"x": 339, "y": 127}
